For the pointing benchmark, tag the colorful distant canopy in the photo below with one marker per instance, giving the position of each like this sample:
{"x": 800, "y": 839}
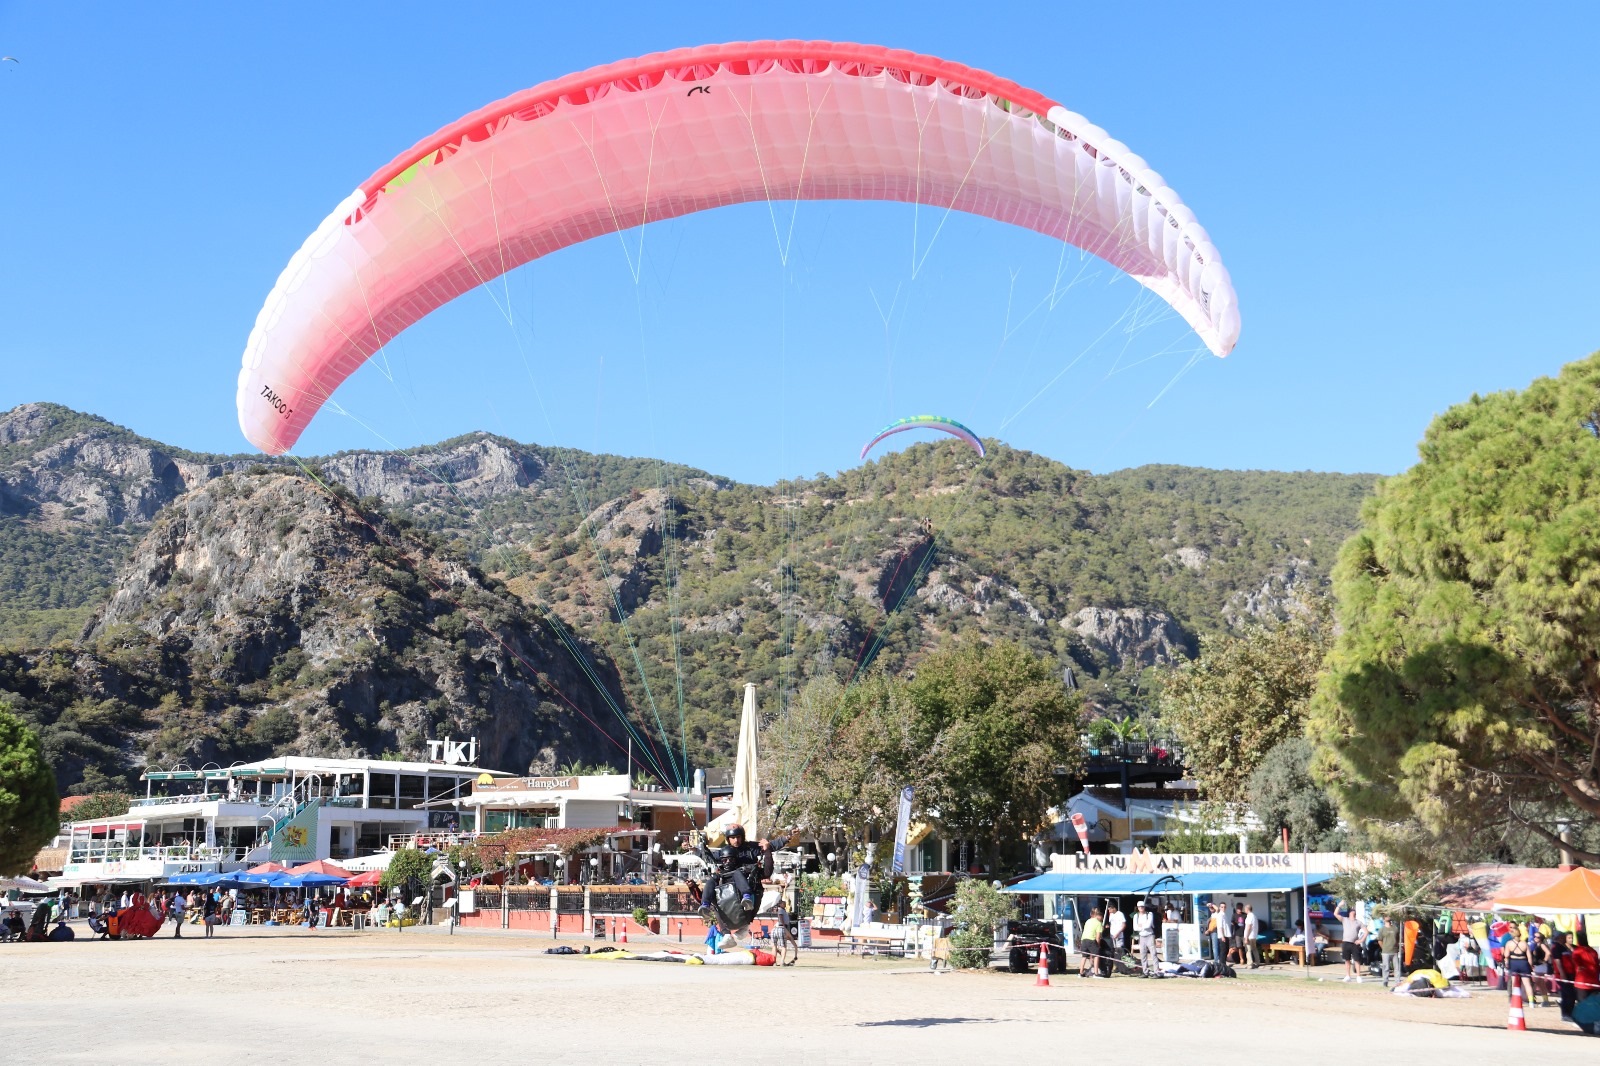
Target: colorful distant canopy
{"x": 683, "y": 131}
{"x": 944, "y": 425}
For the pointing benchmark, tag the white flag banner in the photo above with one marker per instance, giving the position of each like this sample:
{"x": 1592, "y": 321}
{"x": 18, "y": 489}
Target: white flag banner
{"x": 900, "y": 830}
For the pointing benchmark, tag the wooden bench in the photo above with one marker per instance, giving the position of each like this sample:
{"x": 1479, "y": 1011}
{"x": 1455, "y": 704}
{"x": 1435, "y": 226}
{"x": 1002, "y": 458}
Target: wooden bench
{"x": 889, "y": 945}
{"x": 1280, "y": 948}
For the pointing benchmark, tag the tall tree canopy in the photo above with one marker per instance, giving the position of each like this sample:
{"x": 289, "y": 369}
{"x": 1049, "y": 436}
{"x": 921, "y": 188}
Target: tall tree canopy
{"x": 1004, "y": 725}
{"x": 1283, "y": 795}
{"x": 30, "y": 807}
{"x": 1463, "y": 688}
{"x": 1247, "y": 693}
{"x": 979, "y": 732}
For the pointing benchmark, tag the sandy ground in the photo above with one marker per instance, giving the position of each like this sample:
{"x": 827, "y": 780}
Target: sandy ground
{"x": 276, "y": 995}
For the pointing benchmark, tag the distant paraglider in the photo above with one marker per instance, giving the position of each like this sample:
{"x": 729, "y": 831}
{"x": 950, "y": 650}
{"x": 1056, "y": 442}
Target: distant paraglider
{"x": 943, "y": 425}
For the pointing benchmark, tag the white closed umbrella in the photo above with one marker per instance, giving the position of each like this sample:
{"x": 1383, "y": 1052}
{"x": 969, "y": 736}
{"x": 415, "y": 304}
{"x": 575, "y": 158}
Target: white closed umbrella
{"x": 746, "y": 779}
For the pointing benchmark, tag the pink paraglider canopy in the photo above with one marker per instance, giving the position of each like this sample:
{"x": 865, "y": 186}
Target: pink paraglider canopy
{"x": 677, "y": 132}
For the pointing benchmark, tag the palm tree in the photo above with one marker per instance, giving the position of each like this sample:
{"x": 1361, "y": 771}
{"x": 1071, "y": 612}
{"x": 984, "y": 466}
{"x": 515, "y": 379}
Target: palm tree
{"x": 1126, "y": 730}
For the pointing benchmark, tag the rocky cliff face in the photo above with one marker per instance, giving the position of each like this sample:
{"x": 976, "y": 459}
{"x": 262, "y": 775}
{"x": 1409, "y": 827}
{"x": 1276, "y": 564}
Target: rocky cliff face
{"x": 1131, "y": 636}
{"x": 467, "y": 470}
{"x": 273, "y": 601}
{"x": 66, "y": 468}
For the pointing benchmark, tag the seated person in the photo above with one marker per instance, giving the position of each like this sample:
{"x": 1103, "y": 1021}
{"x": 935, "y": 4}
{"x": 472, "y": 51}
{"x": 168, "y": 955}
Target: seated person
{"x": 38, "y": 927}
{"x": 1299, "y": 936}
{"x": 12, "y": 927}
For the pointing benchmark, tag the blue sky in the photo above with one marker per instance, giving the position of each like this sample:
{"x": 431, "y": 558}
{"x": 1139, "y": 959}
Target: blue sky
{"x": 1399, "y": 190}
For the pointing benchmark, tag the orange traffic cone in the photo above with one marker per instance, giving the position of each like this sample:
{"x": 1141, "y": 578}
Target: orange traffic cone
{"x": 1043, "y": 980}
{"x": 1516, "y": 1021}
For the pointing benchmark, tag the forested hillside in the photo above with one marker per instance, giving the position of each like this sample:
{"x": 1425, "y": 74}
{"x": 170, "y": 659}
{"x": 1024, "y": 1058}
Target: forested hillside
{"x": 661, "y": 588}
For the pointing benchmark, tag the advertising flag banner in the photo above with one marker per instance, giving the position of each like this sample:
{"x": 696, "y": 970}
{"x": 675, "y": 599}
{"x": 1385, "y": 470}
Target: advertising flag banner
{"x": 900, "y": 830}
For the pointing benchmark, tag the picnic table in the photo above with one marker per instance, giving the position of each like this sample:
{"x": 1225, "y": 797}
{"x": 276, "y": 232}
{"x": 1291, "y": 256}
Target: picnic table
{"x": 1280, "y": 948}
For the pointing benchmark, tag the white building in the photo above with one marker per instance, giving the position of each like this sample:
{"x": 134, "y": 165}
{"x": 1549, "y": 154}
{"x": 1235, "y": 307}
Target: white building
{"x": 291, "y": 809}
{"x": 1118, "y": 827}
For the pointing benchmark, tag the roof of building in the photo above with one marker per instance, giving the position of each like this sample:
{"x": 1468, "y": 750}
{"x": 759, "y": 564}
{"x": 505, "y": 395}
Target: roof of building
{"x": 282, "y": 765}
{"x": 1475, "y": 886}
{"x": 50, "y": 860}
{"x": 1112, "y": 797}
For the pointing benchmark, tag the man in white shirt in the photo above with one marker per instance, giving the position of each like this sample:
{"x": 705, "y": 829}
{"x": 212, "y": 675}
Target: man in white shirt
{"x": 175, "y": 911}
{"x": 1117, "y": 924}
{"x": 1144, "y": 927}
{"x": 1252, "y": 926}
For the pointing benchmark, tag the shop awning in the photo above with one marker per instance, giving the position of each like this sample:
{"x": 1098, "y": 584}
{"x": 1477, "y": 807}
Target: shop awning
{"x": 1139, "y": 884}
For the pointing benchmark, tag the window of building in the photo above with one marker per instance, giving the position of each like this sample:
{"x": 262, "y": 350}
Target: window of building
{"x": 381, "y": 790}
{"x": 413, "y": 790}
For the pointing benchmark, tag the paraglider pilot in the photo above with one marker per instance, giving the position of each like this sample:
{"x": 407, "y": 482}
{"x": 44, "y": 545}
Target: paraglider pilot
{"x": 739, "y": 860}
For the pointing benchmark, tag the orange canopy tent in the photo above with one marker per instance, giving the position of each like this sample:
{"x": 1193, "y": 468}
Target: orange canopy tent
{"x": 1576, "y": 893}
{"x": 321, "y": 866}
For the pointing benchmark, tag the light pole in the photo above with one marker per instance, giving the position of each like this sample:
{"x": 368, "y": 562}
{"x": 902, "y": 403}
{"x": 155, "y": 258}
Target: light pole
{"x": 455, "y": 912}
{"x": 594, "y": 867}
{"x": 831, "y": 857}
{"x": 560, "y": 863}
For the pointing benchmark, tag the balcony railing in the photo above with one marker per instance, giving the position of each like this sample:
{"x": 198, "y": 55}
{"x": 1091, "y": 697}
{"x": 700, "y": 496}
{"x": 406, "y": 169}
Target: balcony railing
{"x": 165, "y": 853}
{"x": 159, "y": 801}
{"x": 422, "y": 841}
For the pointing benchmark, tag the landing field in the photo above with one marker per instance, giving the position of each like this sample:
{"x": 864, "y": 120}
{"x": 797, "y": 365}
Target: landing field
{"x": 422, "y": 997}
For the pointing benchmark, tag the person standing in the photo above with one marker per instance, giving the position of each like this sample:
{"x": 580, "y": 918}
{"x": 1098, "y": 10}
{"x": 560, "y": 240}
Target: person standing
{"x": 1236, "y": 934}
{"x": 1519, "y": 965}
{"x": 1389, "y": 950}
{"x": 175, "y": 910}
{"x": 1585, "y": 962}
{"x": 1117, "y": 926}
{"x": 1089, "y": 945}
{"x": 1252, "y": 930}
{"x": 1214, "y": 929}
{"x": 210, "y": 916}
{"x": 1539, "y": 958}
{"x": 1561, "y": 972}
{"x": 1144, "y": 927}
{"x": 1351, "y": 935}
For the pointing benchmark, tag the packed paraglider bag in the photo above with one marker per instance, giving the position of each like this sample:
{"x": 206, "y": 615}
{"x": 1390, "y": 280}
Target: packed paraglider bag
{"x": 732, "y": 910}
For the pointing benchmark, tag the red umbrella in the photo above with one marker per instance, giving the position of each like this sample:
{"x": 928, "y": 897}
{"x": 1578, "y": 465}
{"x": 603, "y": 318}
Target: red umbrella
{"x": 268, "y": 868}
{"x": 369, "y": 879}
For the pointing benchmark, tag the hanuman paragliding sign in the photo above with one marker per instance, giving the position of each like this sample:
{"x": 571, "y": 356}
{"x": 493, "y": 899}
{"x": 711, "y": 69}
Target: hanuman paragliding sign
{"x": 678, "y": 132}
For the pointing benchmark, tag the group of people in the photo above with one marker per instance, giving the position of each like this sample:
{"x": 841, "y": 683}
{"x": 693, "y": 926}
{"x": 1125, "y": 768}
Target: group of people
{"x": 1235, "y": 936}
{"x": 1539, "y": 961}
{"x": 1105, "y": 938}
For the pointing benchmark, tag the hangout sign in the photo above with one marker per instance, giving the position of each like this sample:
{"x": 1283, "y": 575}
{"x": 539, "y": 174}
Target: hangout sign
{"x": 525, "y": 784}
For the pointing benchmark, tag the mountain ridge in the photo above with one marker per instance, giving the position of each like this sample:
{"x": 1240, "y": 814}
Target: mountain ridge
{"x": 667, "y": 583}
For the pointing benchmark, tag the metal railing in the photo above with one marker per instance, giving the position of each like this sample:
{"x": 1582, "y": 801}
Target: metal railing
{"x": 158, "y": 801}
{"x": 167, "y": 853}
{"x": 528, "y": 898}
{"x": 439, "y": 839}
